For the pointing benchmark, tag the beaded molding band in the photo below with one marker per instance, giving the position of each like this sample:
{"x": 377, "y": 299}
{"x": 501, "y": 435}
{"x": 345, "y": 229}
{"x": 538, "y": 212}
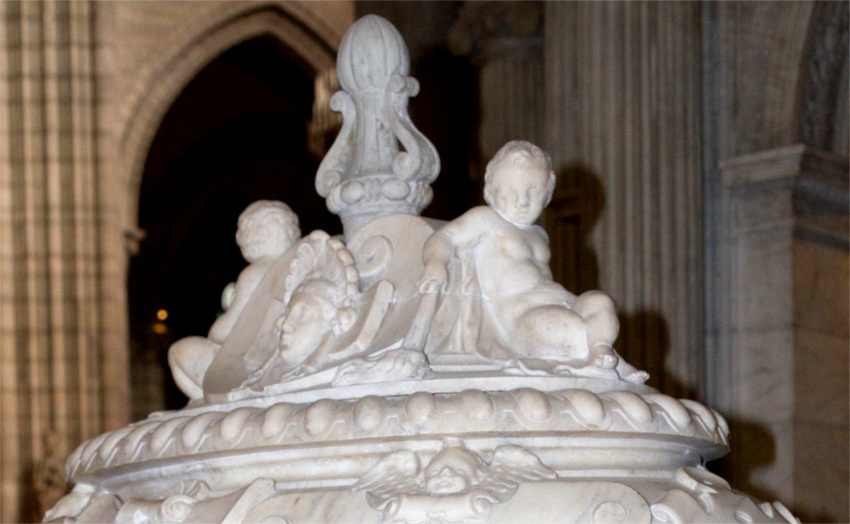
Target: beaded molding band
{"x": 517, "y": 411}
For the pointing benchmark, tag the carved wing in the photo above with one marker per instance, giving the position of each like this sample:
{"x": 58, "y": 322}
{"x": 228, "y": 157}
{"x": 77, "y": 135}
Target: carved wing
{"x": 398, "y": 472}
{"x": 513, "y": 463}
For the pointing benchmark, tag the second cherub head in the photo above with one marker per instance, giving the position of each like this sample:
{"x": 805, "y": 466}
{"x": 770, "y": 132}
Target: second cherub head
{"x": 519, "y": 182}
{"x": 267, "y": 228}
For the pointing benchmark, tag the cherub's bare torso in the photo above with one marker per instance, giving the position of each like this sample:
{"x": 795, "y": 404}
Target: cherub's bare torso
{"x": 510, "y": 259}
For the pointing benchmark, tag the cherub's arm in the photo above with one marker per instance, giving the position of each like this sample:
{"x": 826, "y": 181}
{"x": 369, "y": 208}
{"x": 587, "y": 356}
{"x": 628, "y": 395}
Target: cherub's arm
{"x": 436, "y": 255}
{"x": 462, "y": 233}
{"x": 466, "y": 231}
{"x": 246, "y": 284}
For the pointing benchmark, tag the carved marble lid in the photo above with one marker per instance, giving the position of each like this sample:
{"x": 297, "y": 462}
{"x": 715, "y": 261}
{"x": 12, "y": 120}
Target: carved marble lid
{"x": 401, "y": 304}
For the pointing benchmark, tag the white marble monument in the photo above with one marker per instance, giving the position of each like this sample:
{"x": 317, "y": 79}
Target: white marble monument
{"x": 413, "y": 371}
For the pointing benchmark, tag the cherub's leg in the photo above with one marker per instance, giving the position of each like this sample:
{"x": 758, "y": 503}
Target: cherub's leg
{"x": 629, "y": 373}
{"x": 600, "y": 315}
{"x": 189, "y": 358}
{"x": 552, "y": 333}
{"x": 603, "y": 356}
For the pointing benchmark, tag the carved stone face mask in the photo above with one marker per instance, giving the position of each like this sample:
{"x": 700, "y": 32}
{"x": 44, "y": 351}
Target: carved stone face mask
{"x": 308, "y": 320}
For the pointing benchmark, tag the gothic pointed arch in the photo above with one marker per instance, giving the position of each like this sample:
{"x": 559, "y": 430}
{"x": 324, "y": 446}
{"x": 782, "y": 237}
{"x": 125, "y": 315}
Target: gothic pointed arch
{"x": 209, "y": 125}
{"x": 308, "y": 38}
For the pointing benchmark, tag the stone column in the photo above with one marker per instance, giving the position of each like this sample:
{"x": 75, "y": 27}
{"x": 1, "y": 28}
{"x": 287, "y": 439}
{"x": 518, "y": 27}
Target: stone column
{"x": 785, "y": 368}
{"x": 325, "y": 124}
{"x": 505, "y": 43}
{"x": 53, "y": 360}
{"x": 622, "y": 124}
{"x": 118, "y": 233}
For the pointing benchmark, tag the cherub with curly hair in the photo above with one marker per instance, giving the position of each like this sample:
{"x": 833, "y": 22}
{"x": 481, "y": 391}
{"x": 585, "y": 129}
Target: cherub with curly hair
{"x": 265, "y": 231}
{"x": 498, "y": 253}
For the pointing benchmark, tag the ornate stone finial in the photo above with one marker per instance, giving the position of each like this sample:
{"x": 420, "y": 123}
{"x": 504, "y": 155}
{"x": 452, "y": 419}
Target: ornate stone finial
{"x": 366, "y": 174}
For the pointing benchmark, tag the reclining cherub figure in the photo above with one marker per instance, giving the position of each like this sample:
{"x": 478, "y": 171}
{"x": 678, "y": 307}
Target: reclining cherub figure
{"x": 265, "y": 231}
{"x": 498, "y": 252}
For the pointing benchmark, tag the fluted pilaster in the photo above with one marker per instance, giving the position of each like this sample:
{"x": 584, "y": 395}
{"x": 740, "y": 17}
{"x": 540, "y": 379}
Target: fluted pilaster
{"x": 622, "y": 115}
{"x": 52, "y": 332}
{"x": 505, "y": 44}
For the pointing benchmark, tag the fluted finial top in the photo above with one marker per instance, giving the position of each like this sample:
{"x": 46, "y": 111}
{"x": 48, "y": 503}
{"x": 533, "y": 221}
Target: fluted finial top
{"x": 380, "y": 164}
{"x": 371, "y": 53}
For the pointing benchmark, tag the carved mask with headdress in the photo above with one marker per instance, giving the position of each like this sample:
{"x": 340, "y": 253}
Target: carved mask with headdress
{"x": 320, "y": 292}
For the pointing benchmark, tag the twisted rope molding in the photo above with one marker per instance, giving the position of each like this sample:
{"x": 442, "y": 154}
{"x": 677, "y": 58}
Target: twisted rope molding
{"x": 517, "y": 411}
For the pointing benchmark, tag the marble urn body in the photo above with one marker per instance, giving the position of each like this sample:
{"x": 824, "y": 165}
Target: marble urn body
{"x": 412, "y": 370}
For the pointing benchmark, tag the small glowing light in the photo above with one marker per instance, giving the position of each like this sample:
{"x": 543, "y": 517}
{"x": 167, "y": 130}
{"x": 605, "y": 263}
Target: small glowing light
{"x": 159, "y": 328}
{"x": 162, "y": 314}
